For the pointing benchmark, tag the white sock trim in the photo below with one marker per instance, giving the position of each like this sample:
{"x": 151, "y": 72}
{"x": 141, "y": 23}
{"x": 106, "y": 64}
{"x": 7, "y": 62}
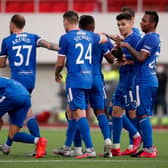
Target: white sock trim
{"x": 79, "y": 149}
{"x": 107, "y": 140}
{"x": 116, "y": 146}
{"x": 6, "y": 146}
{"x": 89, "y": 149}
{"x": 130, "y": 146}
{"x": 136, "y": 135}
{"x": 36, "y": 140}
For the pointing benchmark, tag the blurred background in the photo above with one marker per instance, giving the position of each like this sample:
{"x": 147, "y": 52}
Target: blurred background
{"x": 44, "y": 17}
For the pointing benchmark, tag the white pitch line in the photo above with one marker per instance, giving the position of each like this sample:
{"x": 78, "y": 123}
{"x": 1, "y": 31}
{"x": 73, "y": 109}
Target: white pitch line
{"x": 82, "y": 161}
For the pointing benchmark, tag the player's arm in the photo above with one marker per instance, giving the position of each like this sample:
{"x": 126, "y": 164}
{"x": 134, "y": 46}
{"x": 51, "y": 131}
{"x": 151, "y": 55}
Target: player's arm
{"x": 58, "y": 68}
{"x": 141, "y": 56}
{"x": 115, "y": 37}
{"x": 3, "y": 60}
{"x": 130, "y": 62}
{"x": 102, "y": 38}
{"x": 48, "y": 45}
{"x": 109, "y": 57}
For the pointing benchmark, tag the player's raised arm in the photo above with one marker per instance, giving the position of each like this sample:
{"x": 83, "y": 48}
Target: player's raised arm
{"x": 49, "y": 45}
{"x": 115, "y": 37}
{"x": 103, "y": 38}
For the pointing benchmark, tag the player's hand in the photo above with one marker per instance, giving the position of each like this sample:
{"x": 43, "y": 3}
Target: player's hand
{"x": 123, "y": 61}
{"x": 58, "y": 78}
{"x": 116, "y": 38}
{"x": 117, "y": 52}
{"x": 122, "y": 44}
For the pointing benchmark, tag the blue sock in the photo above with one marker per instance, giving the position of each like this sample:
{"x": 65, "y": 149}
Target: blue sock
{"x": 33, "y": 127}
{"x": 129, "y": 127}
{"x": 117, "y": 128}
{"x": 146, "y": 130}
{"x": 77, "y": 139}
{"x": 103, "y": 124}
{"x": 23, "y": 137}
{"x": 135, "y": 122}
{"x": 84, "y": 129}
{"x": 70, "y": 132}
{"x": 110, "y": 128}
{"x": 109, "y": 110}
{"x": 9, "y": 142}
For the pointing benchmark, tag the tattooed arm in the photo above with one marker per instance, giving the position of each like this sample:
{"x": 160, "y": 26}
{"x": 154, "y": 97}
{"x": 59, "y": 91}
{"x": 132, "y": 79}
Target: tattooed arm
{"x": 48, "y": 45}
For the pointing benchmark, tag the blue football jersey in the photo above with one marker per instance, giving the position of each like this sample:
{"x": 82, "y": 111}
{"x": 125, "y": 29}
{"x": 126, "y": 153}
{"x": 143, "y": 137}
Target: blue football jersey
{"x": 77, "y": 46}
{"x": 14, "y": 100}
{"x": 146, "y": 71}
{"x": 137, "y": 31}
{"x": 8, "y": 87}
{"x": 21, "y": 52}
{"x": 132, "y": 39}
{"x": 98, "y": 52}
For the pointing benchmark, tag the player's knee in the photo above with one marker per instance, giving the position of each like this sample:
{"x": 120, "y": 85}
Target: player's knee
{"x": 13, "y": 130}
{"x": 79, "y": 114}
{"x": 132, "y": 114}
{"x": 68, "y": 115}
{"x": 99, "y": 112}
{"x": 117, "y": 111}
{"x": 143, "y": 116}
{"x": 29, "y": 114}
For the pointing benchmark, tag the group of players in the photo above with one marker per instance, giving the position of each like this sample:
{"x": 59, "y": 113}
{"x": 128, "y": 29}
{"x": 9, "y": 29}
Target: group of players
{"x": 83, "y": 51}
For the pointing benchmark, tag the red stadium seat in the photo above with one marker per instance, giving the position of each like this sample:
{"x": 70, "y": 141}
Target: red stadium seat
{"x": 81, "y": 5}
{"x": 28, "y": 7}
{"x": 151, "y": 4}
{"x": 159, "y": 5}
{"x": 19, "y": 6}
{"x": 53, "y": 5}
{"x": 130, "y": 3}
{"x": 164, "y": 6}
{"x": 116, "y": 5}
{"x": 86, "y": 5}
{"x": 13, "y": 6}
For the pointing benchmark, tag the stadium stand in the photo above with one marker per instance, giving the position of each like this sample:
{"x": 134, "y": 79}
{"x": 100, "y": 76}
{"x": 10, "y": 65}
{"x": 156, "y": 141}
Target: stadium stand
{"x": 86, "y": 5}
{"x": 54, "y": 6}
{"x": 20, "y": 6}
{"x": 161, "y": 5}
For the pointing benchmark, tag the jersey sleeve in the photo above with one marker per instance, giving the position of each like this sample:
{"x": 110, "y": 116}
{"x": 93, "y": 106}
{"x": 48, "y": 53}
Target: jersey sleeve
{"x": 150, "y": 43}
{"x": 110, "y": 44}
{"x": 134, "y": 40}
{"x": 63, "y": 45}
{"x": 37, "y": 39}
{"x": 96, "y": 38}
{"x": 137, "y": 31}
{"x": 106, "y": 47}
{"x": 3, "y": 52}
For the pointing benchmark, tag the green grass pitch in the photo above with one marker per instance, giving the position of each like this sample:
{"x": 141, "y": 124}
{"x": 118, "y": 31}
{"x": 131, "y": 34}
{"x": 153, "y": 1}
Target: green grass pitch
{"x": 56, "y": 136}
